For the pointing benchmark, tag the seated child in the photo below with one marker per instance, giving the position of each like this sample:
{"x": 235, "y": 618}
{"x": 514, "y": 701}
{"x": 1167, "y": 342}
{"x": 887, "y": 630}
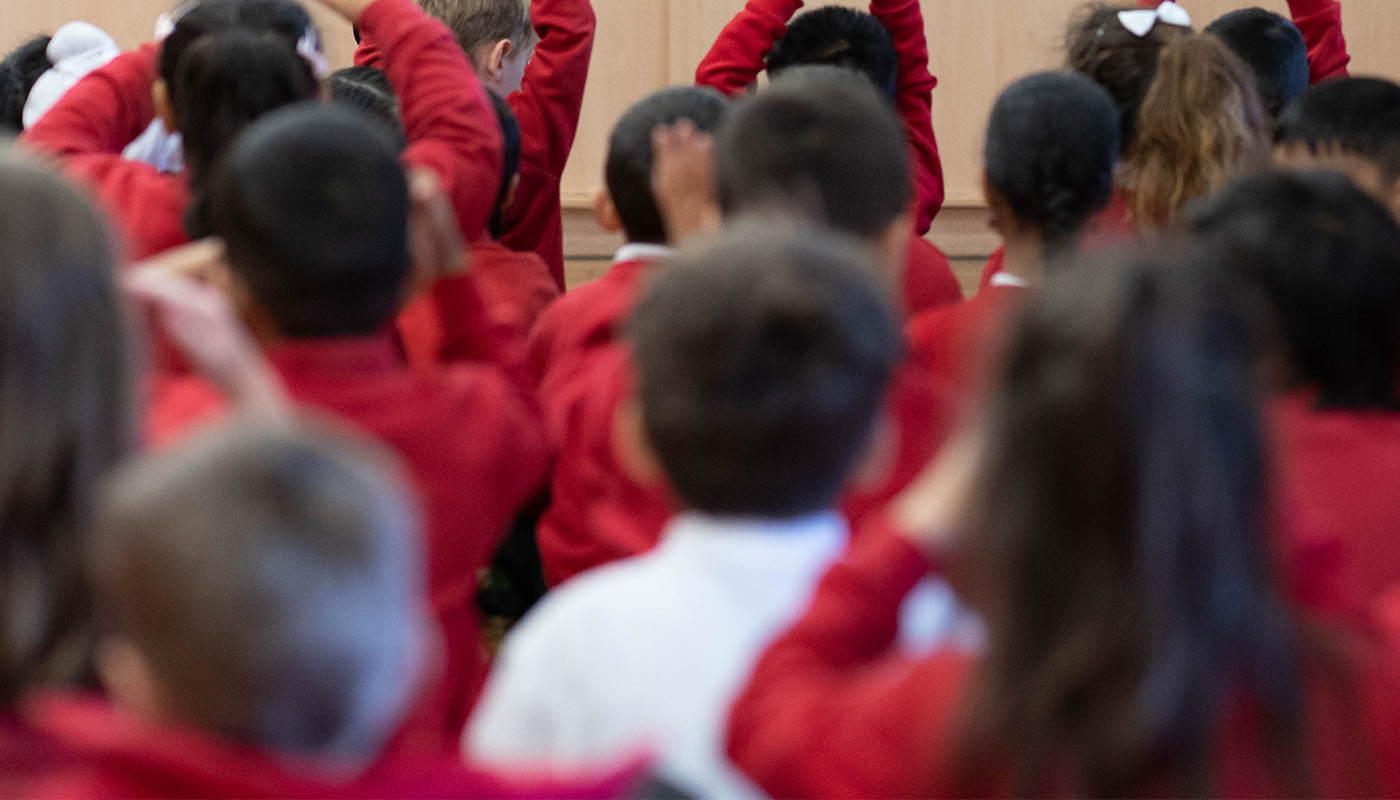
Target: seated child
{"x": 1351, "y": 125}
{"x": 1327, "y": 258}
{"x": 19, "y": 71}
{"x": 284, "y": 669}
{"x": 762, "y": 363}
{"x": 1049, "y": 156}
{"x": 314, "y": 209}
{"x": 888, "y": 45}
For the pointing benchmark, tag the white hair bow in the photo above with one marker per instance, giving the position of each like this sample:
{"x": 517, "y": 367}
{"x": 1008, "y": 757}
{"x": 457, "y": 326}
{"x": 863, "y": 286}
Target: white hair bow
{"x": 1141, "y": 22}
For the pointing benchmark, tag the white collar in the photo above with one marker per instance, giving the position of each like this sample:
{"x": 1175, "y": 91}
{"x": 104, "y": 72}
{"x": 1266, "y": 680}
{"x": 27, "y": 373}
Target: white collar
{"x": 693, "y": 530}
{"x": 637, "y": 251}
{"x": 1007, "y": 279}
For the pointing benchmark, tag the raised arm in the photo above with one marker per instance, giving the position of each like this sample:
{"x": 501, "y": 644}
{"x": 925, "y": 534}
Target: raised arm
{"x": 737, "y": 57}
{"x": 551, "y": 95}
{"x": 914, "y": 101}
{"x": 1321, "y": 24}
{"x": 104, "y": 112}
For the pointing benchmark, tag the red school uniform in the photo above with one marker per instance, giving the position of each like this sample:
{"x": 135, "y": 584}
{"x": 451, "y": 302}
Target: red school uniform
{"x": 1321, "y": 24}
{"x": 835, "y": 710}
{"x": 928, "y": 280}
{"x": 115, "y": 754}
{"x": 451, "y": 129}
{"x": 955, "y": 343}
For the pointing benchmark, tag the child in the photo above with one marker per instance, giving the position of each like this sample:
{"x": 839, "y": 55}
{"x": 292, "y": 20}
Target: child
{"x": 228, "y": 62}
{"x": 762, "y": 363}
{"x": 314, "y": 209}
{"x": 1327, "y": 257}
{"x": 544, "y": 83}
{"x": 19, "y": 71}
{"x": 1110, "y": 516}
{"x": 889, "y": 47}
{"x": 284, "y": 671}
{"x": 1051, "y": 147}
{"x": 1351, "y": 125}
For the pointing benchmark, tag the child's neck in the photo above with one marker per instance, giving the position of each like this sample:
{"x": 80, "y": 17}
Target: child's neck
{"x": 1025, "y": 258}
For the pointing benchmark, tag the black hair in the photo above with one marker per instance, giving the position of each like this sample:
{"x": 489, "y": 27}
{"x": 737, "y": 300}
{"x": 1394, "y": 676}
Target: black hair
{"x": 368, "y": 89}
{"x": 762, "y": 362}
{"x": 839, "y": 37}
{"x": 313, "y": 204}
{"x": 1274, "y": 49}
{"x": 820, "y": 143}
{"x": 629, "y": 153}
{"x": 1051, "y": 147}
{"x": 1358, "y": 116}
{"x": 226, "y": 63}
{"x": 1327, "y": 257}
{"x": 19, "y": 72}
{"x": 510, "y": 137}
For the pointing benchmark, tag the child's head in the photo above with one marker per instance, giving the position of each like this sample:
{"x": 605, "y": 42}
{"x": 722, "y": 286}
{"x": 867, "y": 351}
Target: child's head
{"x": 66, "y": 417}
{"x": 313, "y": 206}
{"x": 629, "y": 204}
{"x": 368, "y": 89}
{"x": 821, "y": 146}
{"x": 510, "y": 169}
{"x": 762, "y": 362}
{"x": 225, "y": 64}
{"x": 1200, "y": 127}
{"x": 1273, "y": 48}
{"x": 264, "y": 584}
{"x": 19, "y": 71}
{"x": 1327, "y": 256}
{"x": 1100, "y": 46}
{"x": 1052, "y": 143}
{"x": 496, "y": 35}
{"x": 1351, "y": 125}
{"x": 839, "y": 37}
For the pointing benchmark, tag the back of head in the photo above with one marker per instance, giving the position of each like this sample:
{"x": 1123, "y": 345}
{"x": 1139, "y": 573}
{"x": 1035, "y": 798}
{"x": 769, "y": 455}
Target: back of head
{"x": 313, "y": 205}
{"x": 821, "y": 145}
{"x": 1132, "y": 593}
{"x": 19, "y": 71}
{"x": 1357, "y": 117}
{"x": 1051, "y": 147}
{"x": 1200, "y": 127}
{"x": 1099, "y": 46}
{"x": 369, "y": 90}
{"x": 762, "y": 361}
{"x": 839, "y": 37}
{"x": 270, "y": 581}
{"x": 65, "y": 417}
{"x": 1328, "y": 258}
{"x": 483, "y": 22}
{"x": 629, "y": 163}
{"x": 227, "y": 63}
{"x": 1274, "y": 49}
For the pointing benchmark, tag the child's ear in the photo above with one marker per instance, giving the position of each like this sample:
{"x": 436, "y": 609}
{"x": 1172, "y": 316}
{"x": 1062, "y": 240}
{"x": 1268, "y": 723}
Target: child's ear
{"x": 631, "y": 448}
{"x": 877, "y": 465}
{"x": 605, "y": 213}
{"x": 129, "y": 680}
{"x": 509, "y": 199}
{"x": 160, "y": 98}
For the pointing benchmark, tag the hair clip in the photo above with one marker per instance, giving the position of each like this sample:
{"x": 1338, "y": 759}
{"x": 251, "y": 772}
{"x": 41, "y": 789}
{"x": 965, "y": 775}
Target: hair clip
{"x": 1141, "y": 22}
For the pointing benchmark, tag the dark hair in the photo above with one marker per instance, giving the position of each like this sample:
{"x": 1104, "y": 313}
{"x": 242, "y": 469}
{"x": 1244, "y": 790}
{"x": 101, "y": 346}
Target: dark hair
{"x": 19, "y": 72}
{"x": 313, "y": 204}
{"x": 762, "y": 361}
{"x": 66, "y": 417}
{"x": 480, "y": 22}
{"x": 1132, "y": 597}
{"x": 1328, "y": 258}
{"x": 1274, "y": 49}
{"x": 629, "y": 153}
{"x": 1358, "y": 116}
{"x": 819, "y": 143}
{"x": 1113, "y": 57}
{"x": 302, "y": 638}
{"x": 369, "y": 90}
{"x": 839, "y": 37}
{"x": 227, "y": 63}
{"x": 1052, "y": 143}
{"x": 510, "y": 137}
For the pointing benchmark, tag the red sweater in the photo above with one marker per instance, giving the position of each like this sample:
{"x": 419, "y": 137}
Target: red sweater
{"x": 955, "y": 342}
{"x": 1321, "y": 24}
{"x": 114, "y": 754}
{"x": 451, "y": 128}
{"x": 928, "y": 281}
{"x": 734, "y": 62}
{"x": 835, "y": 710}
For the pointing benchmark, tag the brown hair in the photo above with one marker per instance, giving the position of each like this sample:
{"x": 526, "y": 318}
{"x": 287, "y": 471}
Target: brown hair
{"x": 1201, "y": 126}
{"x": 479, "y": 22}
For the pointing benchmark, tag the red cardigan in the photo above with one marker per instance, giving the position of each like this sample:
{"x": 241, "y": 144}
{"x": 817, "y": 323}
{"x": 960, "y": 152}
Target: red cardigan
{"x": 1321, "y": 24}
{"x": 451, "y": 128}
{"x": 834, "y": 709}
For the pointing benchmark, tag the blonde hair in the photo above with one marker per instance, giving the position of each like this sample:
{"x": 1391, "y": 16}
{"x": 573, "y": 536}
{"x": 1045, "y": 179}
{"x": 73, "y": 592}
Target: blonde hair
{"x": 1201, "y": 125}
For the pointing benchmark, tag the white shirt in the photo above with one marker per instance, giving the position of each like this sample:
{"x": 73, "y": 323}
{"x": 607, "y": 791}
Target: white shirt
{"x": 640, "y": 251}
{"x": 650, "y": 652}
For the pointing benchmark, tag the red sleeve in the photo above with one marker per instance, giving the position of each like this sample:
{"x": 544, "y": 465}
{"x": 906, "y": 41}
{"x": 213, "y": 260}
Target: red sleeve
{"x": 470, "y": 333}
{"x": 737, "y": 57}
{"x": 831, "y": 709}
{"x": 450, "y": 126}
{"x": 914, "y": 101}
{"x": 1321, "y": 24}
{"x": 104, "y": 112}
